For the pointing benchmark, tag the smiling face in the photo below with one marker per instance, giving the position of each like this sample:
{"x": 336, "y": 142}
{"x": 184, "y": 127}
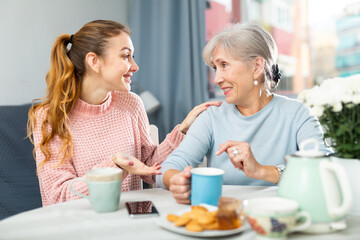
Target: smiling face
{"x": 234, "y": 77}
{"x": 117, "y": 64}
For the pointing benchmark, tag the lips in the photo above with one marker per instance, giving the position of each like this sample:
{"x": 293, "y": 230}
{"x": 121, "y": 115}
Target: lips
{"x": 226, "y": 90}
{"x": 127, "y": 78}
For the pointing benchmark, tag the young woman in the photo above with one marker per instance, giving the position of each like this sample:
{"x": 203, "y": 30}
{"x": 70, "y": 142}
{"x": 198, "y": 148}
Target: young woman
{"x": 90, "y": 119}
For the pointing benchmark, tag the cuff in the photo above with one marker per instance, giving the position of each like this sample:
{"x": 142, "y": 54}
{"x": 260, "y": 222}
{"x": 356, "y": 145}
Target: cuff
{"x": 159, "y": 181}
{"x": 176, "y": 136}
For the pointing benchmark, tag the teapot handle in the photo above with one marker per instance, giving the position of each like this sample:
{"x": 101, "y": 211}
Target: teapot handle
{"x": 329, "y": 185}
{"x": 309, "y": 141}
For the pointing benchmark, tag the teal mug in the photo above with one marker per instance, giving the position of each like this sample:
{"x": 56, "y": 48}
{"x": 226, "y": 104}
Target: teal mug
{"x": 206, "y": 185}
{"x": 104, "y": 188}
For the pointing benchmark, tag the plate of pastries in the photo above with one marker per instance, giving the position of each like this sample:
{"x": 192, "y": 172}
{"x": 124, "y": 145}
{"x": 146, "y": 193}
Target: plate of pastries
{"x": 206, "y": 220}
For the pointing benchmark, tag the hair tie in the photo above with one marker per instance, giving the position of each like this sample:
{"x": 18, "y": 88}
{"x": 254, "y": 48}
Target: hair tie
{"x": 71, "y": 37}
{"x": 276, "y": 73}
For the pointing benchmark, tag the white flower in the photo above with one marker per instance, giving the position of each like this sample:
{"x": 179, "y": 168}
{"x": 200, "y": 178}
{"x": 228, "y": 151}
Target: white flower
{"x": 337, "y": 107}
{"x": 317, "y": 111}
{"x": 332, "y": 93}
{"x": 356, "y": 99}
{"x": 302, "y": 97}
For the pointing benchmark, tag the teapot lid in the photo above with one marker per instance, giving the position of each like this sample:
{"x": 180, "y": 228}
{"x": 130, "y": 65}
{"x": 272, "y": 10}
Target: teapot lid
{"x": 309, "y": 153}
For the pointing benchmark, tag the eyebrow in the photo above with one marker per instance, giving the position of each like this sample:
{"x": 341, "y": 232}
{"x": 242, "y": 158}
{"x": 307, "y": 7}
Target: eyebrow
{"x": 126, "y": 48}
{"x": 218, "y": 60}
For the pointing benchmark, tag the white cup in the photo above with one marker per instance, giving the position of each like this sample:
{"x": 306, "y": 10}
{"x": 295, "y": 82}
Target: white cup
{"x": 275, "y": 217}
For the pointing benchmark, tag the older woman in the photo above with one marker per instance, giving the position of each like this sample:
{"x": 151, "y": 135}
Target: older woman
{"x": 249, "y": 135}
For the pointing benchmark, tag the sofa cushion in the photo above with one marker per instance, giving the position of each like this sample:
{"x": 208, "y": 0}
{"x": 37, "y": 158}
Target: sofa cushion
{"x": 19, "y": 186}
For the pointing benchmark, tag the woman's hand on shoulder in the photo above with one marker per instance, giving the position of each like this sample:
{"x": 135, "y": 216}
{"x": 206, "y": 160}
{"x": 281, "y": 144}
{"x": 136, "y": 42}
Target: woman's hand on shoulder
{"x": 194, "y": 113}
{"x": 133, "y": 165}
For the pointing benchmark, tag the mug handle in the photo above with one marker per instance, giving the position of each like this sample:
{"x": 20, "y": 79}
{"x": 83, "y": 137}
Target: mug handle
{"x": 76, "y": 192}
{"x": 304, "y": 225}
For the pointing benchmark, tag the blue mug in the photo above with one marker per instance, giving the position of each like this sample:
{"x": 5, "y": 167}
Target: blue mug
{"x": 206, "y": 185}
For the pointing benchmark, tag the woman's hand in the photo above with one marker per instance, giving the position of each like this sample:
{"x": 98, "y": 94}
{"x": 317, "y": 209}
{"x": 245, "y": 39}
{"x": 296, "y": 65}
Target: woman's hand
{"x": 241, "y": 157}
{"x": 180, "y": 186}
{"x": 194, "y": 113}
{"x": 134, "y": 165}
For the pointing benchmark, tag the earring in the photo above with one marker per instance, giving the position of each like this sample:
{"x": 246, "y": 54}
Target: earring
{"x": 256, "y": 82}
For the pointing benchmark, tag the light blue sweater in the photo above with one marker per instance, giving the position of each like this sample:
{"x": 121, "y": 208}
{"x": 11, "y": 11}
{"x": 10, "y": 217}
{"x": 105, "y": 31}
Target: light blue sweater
{"x": 273, "y": 132}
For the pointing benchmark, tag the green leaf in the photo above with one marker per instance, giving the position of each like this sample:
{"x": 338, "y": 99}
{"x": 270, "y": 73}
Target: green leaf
{"x": 343, "y": 128}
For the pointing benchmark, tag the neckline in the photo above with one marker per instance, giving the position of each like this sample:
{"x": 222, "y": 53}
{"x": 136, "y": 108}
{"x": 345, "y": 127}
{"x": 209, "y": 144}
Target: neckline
{"x": 83, "y": 109}
{"x": 257, "y": 114}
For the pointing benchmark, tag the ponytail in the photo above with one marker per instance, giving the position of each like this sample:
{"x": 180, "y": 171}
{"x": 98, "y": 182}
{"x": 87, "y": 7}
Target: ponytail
{"x": 63, "y": 90}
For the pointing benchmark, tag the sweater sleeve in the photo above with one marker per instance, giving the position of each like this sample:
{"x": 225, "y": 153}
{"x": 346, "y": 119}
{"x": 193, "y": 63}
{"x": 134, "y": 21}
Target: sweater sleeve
{"x": 150, "y": 152}
{"x": 192, "y": 149}
{"x": 55, "y": 178}
{"x": 309, "y": 127}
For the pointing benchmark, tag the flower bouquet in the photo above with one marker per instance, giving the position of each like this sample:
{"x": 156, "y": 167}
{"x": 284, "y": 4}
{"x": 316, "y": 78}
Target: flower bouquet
{"x": 336, "y": 103}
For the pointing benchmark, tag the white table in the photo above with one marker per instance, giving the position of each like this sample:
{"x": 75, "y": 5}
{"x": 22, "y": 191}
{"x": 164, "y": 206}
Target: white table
{"x": 76, "y": 219}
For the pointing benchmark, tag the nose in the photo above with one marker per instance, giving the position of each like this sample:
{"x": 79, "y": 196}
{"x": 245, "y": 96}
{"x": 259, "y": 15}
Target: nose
{"x": 134, "y": 67}
{"x": 218, "y": 79}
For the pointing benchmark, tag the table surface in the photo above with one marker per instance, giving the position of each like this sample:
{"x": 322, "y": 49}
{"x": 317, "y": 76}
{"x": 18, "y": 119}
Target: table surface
{"x": 76, "y": 219}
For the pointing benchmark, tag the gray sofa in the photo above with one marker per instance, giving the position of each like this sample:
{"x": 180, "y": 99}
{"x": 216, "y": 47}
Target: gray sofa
{"x": 19, "y": 186}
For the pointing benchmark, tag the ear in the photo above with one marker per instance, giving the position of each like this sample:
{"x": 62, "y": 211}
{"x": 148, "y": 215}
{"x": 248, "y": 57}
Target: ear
{"x": 93, "y": 61}
{"x": 258, "y": 64}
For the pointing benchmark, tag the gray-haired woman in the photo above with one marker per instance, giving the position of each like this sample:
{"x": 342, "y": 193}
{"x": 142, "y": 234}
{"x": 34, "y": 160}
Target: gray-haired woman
{"x": 249, "y": 135}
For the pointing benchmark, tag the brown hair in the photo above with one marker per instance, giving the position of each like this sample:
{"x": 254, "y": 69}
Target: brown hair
{"x": 67, "y": 68}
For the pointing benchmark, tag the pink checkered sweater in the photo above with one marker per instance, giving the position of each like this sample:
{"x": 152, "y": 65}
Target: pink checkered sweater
{"x": 98, "y": 131}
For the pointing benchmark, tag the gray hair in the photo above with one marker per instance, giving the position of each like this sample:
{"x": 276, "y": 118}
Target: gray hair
{"x": 245, "y": 42}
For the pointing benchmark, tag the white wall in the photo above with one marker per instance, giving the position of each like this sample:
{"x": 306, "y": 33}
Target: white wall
{"x": 28, "y": 29}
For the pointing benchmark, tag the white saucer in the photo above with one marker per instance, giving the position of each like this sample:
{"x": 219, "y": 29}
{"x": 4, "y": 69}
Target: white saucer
{"x": 326, "y": 227}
